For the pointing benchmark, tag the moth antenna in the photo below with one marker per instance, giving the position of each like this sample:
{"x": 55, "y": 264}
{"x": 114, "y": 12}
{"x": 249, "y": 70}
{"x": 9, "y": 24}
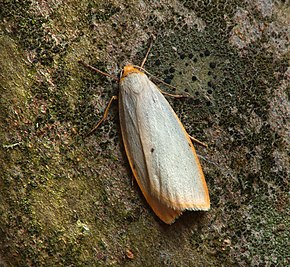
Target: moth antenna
{"x": 148, "y": 51}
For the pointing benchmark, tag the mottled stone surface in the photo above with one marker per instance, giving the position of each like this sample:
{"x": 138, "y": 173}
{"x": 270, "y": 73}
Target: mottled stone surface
{"x": 67, "y": 200}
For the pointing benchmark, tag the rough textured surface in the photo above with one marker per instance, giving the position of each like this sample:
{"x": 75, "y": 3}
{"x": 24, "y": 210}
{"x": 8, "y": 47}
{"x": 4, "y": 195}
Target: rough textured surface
{"x": 70, "y": 201}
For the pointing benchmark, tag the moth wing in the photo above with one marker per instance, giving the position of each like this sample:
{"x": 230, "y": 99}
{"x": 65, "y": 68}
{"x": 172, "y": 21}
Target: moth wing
{"x": 160, "y": 152}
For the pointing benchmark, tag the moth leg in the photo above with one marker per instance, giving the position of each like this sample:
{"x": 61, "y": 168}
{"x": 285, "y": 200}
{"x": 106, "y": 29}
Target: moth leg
{"x": 197, "y": 141}
{"x": 173, "y": 95}
{"x": 104, "y": 116}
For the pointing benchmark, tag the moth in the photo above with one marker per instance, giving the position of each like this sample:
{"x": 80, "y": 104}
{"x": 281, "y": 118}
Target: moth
{"x": 160, "y": 152}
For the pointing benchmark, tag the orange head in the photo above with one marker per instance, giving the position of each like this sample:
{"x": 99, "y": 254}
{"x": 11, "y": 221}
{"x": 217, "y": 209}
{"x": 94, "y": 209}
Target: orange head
{"x": 129, "y": 69}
